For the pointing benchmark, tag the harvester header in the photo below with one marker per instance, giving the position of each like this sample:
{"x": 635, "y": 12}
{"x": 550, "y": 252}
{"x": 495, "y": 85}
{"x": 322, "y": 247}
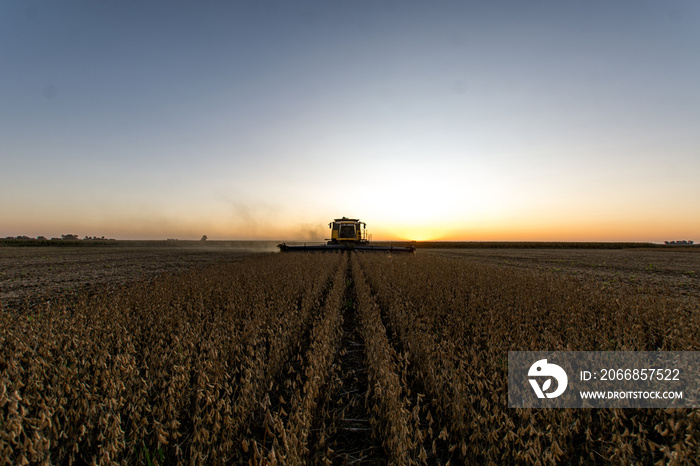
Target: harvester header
{"x": 347, "y": 234}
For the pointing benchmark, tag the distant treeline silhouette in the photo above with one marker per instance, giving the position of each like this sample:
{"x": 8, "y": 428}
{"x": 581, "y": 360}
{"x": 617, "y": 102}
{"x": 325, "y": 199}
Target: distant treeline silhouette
{"x": 73, "y": 240}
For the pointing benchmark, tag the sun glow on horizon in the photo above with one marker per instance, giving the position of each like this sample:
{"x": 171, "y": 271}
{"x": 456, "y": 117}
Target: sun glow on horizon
{"x": 420, "y": 234}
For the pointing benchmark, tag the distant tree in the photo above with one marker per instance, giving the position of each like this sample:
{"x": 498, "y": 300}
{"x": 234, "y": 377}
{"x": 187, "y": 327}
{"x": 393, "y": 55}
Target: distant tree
{"x": 204, "y": 238}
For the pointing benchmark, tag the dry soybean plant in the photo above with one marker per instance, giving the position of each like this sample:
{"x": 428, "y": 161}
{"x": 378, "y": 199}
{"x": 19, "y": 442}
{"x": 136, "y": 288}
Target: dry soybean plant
{"x": 167, "y": 371}
{"x": 390, "y": 405}
{"x": 457, "y": 320}
{"x": 287, "y": 427}
{"x": 232, "y": 362}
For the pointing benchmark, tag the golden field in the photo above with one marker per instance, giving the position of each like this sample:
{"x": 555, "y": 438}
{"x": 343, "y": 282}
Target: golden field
{"x": 223, "y": 357}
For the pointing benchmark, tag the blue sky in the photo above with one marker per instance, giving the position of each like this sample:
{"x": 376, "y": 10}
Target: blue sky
{"x": 460, "y": 120}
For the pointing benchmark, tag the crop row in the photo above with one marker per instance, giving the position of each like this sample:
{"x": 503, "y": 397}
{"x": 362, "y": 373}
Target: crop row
{"x": 393, "y": 417}
{"x": 287, "y": 422}
{"x": 458, "y": 320}
{"x": 236, "y": 362}
{"x": 169, "y": 370}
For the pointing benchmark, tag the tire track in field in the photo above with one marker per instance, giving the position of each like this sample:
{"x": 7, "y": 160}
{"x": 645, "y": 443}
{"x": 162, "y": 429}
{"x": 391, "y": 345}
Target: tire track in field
{"x": 345, "y": 434}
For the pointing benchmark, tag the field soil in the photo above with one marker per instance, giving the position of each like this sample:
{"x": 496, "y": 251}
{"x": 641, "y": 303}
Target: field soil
{"x": 32, "y": 275}
{"x": 665, "y": 271}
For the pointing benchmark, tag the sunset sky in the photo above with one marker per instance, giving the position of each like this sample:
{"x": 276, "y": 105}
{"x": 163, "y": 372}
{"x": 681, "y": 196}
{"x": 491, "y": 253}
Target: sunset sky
{"x": 452, "y": 120}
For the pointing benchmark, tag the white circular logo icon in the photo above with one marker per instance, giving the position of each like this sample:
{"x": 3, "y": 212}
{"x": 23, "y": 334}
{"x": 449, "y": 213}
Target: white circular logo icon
{"x": 542, "y": 369}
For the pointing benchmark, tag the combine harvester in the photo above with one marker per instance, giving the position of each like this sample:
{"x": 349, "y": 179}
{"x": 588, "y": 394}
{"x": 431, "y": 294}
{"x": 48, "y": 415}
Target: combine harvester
{"x": 347, "y": 234}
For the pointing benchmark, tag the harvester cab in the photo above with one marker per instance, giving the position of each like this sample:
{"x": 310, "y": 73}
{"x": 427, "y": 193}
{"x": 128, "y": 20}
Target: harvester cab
{"x": 347, "y": 230}
{"x": 347, "y": 234}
